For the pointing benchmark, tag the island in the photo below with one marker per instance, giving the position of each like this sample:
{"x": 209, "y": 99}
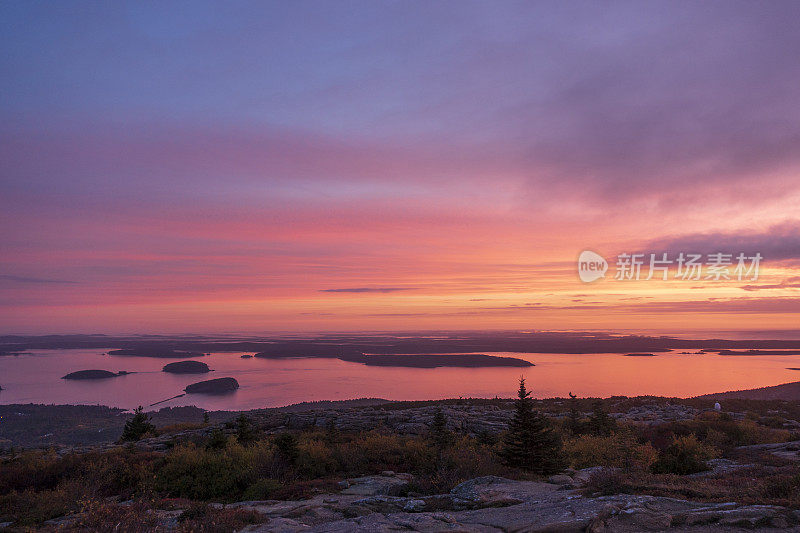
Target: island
{"x": 639, "y": 355}
{"x": 186, "y": 367}
{"x": 213, "y": 386}
{"x": 155, "y": 352}
{"x": 94, "y": 374}
{"x": 415, "y": 360}
{"x": 2, "y": 353}
{"x": 758, "y": 352}
{"x": 467, "y": 360}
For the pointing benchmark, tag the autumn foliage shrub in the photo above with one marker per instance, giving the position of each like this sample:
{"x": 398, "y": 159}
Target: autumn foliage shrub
{"x": 686, "y": 455}
{"x": 207, "y": 474}
{"x": 620, "y": 449}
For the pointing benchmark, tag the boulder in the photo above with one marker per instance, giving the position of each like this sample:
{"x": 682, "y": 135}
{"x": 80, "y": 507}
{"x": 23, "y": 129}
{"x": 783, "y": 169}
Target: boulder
{"x": 213, "y": 386}
{"x": 389, "y": 485}
{"x": 186, "y": 367}
{"x": 561, "y": 479}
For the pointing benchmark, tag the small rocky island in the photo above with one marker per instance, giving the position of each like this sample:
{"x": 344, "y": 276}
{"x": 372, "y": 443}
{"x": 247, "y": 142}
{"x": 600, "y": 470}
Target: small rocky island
{"x": 186, "y": 367}
{"x": 639, "y": 355}
{"x": 213, "y": 386}
{"x": 2, "y": 353}
{"x": 94, "y": 374}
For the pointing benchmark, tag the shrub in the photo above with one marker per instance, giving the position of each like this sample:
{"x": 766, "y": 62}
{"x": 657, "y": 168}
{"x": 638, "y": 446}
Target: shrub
{"x": 217, "y": 440}
{"x": 686, "y": 455}
{"x": 112, "y": 472}
{"x": 721, "y": 431}
{"x": 620, "y": 450}
{"x": 782, "y": 487}
{"x": 465, "y": 459}
{"x": 202, "y": 474}
{"x": 178, "y": 427}
{"x": 373, "y": 452}
{"x": 203, "y": 517}
{"x": 98, "y": 515}
{"x": 607, "y": 481}
{"x": 30, "y": 507}
{"x": 262, "y": 489}
{"x": 314, "y": 460}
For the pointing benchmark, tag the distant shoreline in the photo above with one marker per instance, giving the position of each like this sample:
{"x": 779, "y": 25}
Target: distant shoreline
{"x": 338, "y": 345}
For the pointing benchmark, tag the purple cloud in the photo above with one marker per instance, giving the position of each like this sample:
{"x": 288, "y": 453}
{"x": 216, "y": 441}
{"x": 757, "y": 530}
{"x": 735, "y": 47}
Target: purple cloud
{"x": 777, "y": 243}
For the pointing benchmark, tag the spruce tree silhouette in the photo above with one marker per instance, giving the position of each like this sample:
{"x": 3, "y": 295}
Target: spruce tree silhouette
{"x": 246, "y": 433}
{"x": 137, "y": 427}
{"x": 573, "y": 422}
{"x": 600, "y": 423}
{"x": 441, "y": 436}
{"x": 531, "y": 443}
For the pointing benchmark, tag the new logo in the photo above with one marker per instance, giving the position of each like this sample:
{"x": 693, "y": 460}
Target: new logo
{"x": 591, "y": 266}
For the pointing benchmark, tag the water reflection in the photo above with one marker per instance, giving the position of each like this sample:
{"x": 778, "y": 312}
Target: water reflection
{"x": 35, "y": 378}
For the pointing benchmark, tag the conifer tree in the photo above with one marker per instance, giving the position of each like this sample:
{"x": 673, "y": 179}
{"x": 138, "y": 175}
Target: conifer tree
{"x": 442, "y": 438}
{"x": 531, "y": 443}
{"x": 286, "y": 445}
{"x": 217, "y": 440}
{"x": 332, "y": 433}
{"x": 599, "y": 422}
{"x": 137, "y": 427}
{"x": 573, "y": 422}
{"x": 245, "y": 432}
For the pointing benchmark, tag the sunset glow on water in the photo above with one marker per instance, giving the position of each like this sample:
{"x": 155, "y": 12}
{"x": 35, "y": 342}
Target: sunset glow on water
{"x": 270, "y": 383}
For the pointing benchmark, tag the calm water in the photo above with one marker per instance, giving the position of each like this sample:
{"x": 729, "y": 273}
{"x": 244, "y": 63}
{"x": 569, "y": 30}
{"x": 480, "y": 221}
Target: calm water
{"x": 35, "y": 378}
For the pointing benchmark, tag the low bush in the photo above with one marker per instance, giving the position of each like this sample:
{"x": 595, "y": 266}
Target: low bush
{"x": 607, "y": 481}
{"x": 686, "y": 455}
{"x": 620, "y": 449}
{"x": 262, "y": 489}
{"x": 206, "y": 474}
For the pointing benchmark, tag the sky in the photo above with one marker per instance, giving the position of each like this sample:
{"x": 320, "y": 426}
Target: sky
{"x": 176, "y": 167}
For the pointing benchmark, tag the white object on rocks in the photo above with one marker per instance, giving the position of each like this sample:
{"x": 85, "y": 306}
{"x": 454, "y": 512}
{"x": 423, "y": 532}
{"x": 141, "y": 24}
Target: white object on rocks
{"x": 717, "y": 407}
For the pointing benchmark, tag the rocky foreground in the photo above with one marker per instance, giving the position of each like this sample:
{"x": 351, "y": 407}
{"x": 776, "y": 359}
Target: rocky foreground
{"x": 491, "y": 504}
{"x": 495, "y": 504}
{"x": 576, "y": 500}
